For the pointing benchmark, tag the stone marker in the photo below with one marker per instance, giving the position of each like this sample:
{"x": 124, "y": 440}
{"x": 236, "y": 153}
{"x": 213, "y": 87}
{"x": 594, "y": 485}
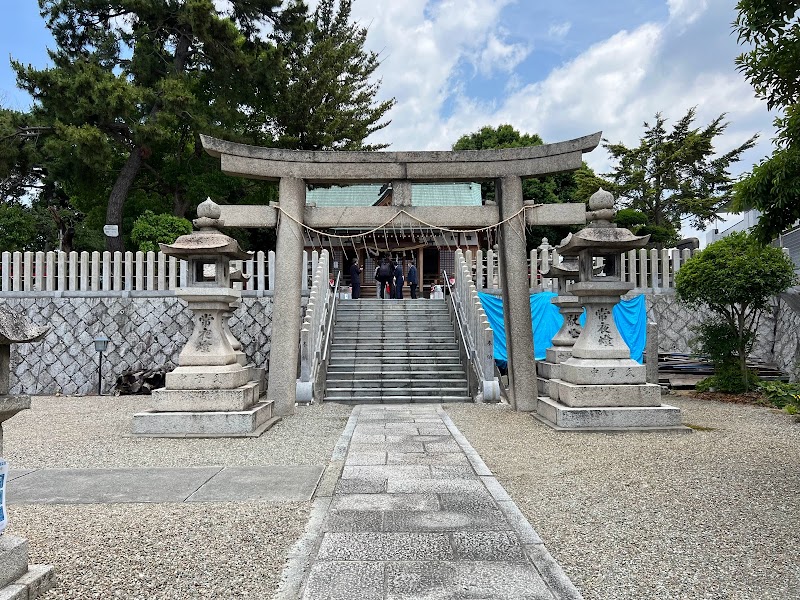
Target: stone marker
{"x": 212, "y": 392}
{"x": 18, "y": 579}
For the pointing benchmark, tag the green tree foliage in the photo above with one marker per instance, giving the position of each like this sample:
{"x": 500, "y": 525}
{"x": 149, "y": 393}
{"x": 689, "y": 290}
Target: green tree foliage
{"x": 17, "y": 227}
{"x": 151, "y": 229}
{"x": 575, "y": 186}
{"x": 326, "y": 95}
{"x": 772, "y": 66}
{"x": 734, "y": 278}
{"x": 630, "y": 218}
{"x": 134, "y": 83}
{"x": 675, "y": 174}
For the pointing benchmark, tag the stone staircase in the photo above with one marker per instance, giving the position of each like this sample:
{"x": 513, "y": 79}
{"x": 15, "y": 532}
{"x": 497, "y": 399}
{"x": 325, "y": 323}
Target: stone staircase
{"x": 395, "y": 351}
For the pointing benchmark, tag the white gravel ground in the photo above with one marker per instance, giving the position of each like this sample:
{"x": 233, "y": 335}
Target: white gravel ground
{"x": 94, "y": 432}
{"x": 160, "y": 551}
{"x": 164, "y": 551}
{"x": 711, "y": 515}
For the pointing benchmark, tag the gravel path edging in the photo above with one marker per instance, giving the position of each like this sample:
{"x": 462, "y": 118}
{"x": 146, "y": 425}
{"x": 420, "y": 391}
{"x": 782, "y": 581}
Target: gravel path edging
{"x": 299, "y": 559}
{"x": 550, "y": 571}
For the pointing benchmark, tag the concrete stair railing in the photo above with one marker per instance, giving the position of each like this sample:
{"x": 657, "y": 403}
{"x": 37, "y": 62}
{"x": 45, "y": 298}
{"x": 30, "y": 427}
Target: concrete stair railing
{"x": 477, "y": 332}
{"x": 321, "y": 300}
{"x": 395, "y": 351}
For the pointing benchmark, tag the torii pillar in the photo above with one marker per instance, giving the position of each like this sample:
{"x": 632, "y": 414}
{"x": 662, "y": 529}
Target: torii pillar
{"x": 295, "y": 169}
{"x": 517, "y": 306}
{"x": 285, "y": 350}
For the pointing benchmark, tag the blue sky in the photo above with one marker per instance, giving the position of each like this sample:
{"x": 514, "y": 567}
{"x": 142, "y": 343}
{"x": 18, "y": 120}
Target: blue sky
{"x": 561, "y": 69}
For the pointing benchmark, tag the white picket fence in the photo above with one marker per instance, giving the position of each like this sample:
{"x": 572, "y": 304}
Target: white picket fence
{"x": 646, "y": 269}
{"x": 125, "y": 272}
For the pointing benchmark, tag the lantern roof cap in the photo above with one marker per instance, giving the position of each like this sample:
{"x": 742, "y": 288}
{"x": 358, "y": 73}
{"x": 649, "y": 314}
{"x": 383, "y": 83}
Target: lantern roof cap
{"x": 16, "y": 328}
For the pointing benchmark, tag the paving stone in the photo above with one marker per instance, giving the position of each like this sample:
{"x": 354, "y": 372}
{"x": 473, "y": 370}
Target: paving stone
{"x": 447, "y": 446}
{"x": 388, "y": 471}
{"x": 361, "y": 485}
{"x": 434, "y": 486}
{"x": 354, "y": 520}
{"x": 17, "y": 473}
{"x": 453, "y": 472}
{"x": 389, "y": 447}
{"x": 345, "y": 581}
{"x": 365, "y": 458}
{"x": 264, "y": 484}
{"x": 464, "y": 580}
{"x": 386, "y": 502}
{"x": 425, "y": 458}
{"x": 467, "y": 502}
{"x": 94, "y": 486}
{"x": 368, "y": 438}
{"x": 443, "y": 520}
{"x": 487, "y": 545}
{"x": 385, "y": 546}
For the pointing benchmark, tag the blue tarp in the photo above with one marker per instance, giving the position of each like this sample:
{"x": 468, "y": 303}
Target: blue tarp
{"x": 630, "y": 317}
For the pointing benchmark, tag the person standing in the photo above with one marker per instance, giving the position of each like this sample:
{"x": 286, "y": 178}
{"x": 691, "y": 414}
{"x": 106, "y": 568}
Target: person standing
{"x": 384, "y": 275}
{"x": 412, "y": 280}
{"x": 378, "y": 284}
{"x": 355, "y": 279}
{"x": 398, "y": 281}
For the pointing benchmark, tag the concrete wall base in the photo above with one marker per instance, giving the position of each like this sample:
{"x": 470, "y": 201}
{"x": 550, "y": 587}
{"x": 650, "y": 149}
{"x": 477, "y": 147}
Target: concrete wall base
{"x": 245, "y": 423}
{"x": 610, "y": 418}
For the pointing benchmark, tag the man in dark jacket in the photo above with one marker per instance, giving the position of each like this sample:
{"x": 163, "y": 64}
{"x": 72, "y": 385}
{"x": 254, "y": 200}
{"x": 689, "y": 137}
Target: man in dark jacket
{"x": 355, "y": 279}
{"x": 384, "y": 275}
{"x": 412, "y": 280}
{"x": 398, "y": 281}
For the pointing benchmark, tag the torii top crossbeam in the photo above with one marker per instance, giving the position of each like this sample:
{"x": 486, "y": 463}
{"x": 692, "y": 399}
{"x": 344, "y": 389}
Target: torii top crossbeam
{"x": 255, "y": 162}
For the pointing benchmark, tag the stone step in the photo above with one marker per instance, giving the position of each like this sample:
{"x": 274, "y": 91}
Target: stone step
{"x": 398, "y": 382}
{"x": 413, "y": 323}
{"x": 336, "y": 390}
{"x": 440, "y": 364}
{"x": 349, "y": 373}
{"x": 388, "y": 353}
{"x": 408, "y": 399}
{"x": 394, "y": 342}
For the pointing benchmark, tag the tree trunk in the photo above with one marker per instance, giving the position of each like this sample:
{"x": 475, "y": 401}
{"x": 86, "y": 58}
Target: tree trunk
{"x": 743, "y": 353}
{"x": 180, "y": 204}
{"x": 116, "y": 200}
{"x": 67, "y": 238}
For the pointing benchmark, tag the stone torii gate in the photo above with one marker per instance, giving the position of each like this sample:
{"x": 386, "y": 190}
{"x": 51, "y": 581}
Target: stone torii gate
{"x": 295, "y": 169}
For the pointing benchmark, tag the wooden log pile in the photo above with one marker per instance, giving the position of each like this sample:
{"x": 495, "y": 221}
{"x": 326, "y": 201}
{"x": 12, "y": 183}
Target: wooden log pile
{"x": 141, "y": 382}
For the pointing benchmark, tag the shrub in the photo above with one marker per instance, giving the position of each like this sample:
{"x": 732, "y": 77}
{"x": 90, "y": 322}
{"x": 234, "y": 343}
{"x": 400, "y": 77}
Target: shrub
{"x": 782, "y": 395}
{"x": 734, "y": 278}
{"x": 150, "y": 229}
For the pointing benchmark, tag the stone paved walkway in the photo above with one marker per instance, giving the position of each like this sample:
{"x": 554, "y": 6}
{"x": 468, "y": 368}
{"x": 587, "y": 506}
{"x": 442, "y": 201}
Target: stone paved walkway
{"x": 415, "y": 513}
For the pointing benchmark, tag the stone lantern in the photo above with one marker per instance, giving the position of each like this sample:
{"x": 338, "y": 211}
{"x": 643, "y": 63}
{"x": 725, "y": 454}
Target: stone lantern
{"x": 18, "y": 579}
{"x": 212, "y": 391}
{"x": 566, "y": 273}
{"x": 600, "y": 386}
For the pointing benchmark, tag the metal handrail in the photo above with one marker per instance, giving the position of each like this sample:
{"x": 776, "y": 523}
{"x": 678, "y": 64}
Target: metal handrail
{"x": 331, "y": 312}
{"x": 464, "y": 338}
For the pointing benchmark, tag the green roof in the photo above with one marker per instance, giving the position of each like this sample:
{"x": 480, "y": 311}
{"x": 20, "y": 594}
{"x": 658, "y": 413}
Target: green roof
{"x": 422, "y": 194}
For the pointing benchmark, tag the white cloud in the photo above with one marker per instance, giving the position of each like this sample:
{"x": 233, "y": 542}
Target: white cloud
{"x": 559, "y": 31}
{"x": 498, "y": 55}
{"x": 686, "y": 12}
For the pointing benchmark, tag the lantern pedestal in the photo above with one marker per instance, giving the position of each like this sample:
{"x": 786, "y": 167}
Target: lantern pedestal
{"x": 561, "y": 350}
